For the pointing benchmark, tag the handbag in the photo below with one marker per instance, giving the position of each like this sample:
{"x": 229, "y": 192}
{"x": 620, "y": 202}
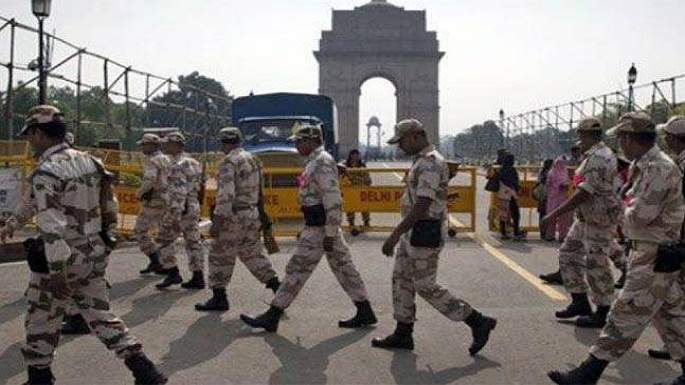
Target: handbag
{"x": 539, "y": 192}
{"x": 426, "y": 233}
{"x": 492, "y": 184}
{"x": 669, "y": 257}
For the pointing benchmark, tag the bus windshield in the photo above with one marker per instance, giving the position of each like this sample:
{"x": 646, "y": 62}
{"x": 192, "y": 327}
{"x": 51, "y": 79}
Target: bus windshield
{"x": 270, "y": 130}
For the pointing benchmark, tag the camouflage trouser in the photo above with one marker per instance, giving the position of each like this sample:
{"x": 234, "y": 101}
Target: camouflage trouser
{"x": 585, "y": 255}
{"x": 91, "y": 297}
{"x": 416, "y": 269}
{"x": 147, "y": 217}
{"x": 366, "y": 217}
{"x": 646, "y": 297}
{"x": 186, "y": 224}
{"x": 307, "y": 256}
{"x": 239, "y": 239}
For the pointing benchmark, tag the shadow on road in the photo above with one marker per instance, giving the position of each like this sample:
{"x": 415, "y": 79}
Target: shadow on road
{"x": 12, "y": 362}
{"x": 405, "y": 371}
{"x": 152, "y": 306}
{"x": 12, "y": 310}
{"x": 127, "y": 288}
{"x": 307, "y": 365}
{"x": 193, "y": 348}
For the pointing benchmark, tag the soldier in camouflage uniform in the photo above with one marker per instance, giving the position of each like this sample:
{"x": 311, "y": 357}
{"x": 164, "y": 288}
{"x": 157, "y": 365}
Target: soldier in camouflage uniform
{"x": 154, "y": 197}
{"x": 235, "y": 222}
{"x": 357, "y": 179}
{"x": 421, "y": 235}
{"x": 653, "y": 209}
{"x": 674, "y": 131}
{"x": 584, "y": 255}
{"x": 182, "y": 216}
{"x": 321, "y": 201}
{"x": 66, "y": 199}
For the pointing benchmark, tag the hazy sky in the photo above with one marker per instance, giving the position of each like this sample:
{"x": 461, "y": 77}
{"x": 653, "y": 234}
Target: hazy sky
{"x": 512, "y": 54}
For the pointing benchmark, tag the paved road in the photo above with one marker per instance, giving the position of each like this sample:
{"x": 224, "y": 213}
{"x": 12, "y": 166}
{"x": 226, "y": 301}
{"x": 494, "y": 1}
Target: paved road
{"x": 198, "y": 348}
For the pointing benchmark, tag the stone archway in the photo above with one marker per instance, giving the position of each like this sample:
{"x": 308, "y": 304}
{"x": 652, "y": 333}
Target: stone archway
{"x": 379, "y": 39}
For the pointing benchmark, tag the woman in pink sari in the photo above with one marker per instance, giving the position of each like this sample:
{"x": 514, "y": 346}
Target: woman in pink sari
{"x": 556, "y": 188}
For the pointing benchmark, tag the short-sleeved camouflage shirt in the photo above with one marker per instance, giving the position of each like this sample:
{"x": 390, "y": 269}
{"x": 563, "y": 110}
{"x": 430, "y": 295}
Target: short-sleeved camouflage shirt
{"x": 653, "y": 206}
{"x": 428, "y": 177}
{"x": 319, "y": 185}
{"x": 597, "y": 174}
{"x": 238, "y": 181}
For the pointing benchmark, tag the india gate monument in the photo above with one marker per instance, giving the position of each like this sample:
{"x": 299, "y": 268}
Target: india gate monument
{"x": 380, "y": 39}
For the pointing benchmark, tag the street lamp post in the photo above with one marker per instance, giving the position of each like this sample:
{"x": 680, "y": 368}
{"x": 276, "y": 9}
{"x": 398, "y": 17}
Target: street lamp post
{"x": 41, "y": 9}
{"x": 632, "y": 76}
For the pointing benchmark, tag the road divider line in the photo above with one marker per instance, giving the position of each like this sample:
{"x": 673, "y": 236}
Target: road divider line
{"x": 512, "y": 265}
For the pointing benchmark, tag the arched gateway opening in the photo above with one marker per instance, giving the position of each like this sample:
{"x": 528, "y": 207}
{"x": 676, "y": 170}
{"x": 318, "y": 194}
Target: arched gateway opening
{"x": 377, "y": 115}
{"x": 379, "y": 39}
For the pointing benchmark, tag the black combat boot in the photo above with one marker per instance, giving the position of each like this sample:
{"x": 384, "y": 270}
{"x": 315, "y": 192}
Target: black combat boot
{"x": 267, "y": 321}
{"x": 173, "y": 277}
{"x": 154, "y": 266}
{"x": 218, "y": 302}
{"x": 481, "y": 326}
{"x": 503, "y": 230}
{"x": 196, "y": 282}
{"x": 597, "y": 320}
{"x": 622, "y": 279}
{"x": 587, "y": 373}
{"x": 363, "y": 317}
{"x": 401, "y": 338}
{"x": 74, "y": 324}
{"x": 144, "y": 371}
{"x": 579, "y": 306}
{"x": 273, "y": 284}
{"x": 40, "y": 376}
{"x": 659, "y": 354}
{"x": 552, "y": 278}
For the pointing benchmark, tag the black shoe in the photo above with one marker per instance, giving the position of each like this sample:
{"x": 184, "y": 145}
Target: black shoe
{"x": 196, "y": 282}
{"x": 154, "y": 266}
{"x": 595, "y": 321}
{"x": 218, "y": 302}
{"x": 579, "y": 306}
{"x": 587, "y": 373}
{"x": 481, "y": 326}
{"x": 680, "y": 380}
{"x": 173, "y": 278}
{"x": 267, "y": 321}
{"x": 364, "y": 317}
{"x": 74, "y": 324}
{"x": 355, "y": 231}
{"x": 42, "y": 376}
{"x": 401, "y": 338}
{"x": 273, "y": 284}
{"x": 144, "y": 371}
{"x": 659, "y": 354}
{"x": 621, "y": 280}
{"x": 552, "y": 278}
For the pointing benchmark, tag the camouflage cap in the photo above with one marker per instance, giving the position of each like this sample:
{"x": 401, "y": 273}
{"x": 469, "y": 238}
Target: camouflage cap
{"x": 149, "y": 138}
{"x": 175, "y": 137}
{"x": 42, "y": 114}
{"x": 229, "y": 133}
{"x": 633, "y": 122}
{"x": 403, "y": 127}
{"x": 674, "y": 126}
{"x": 589, "y": 124}
{"x": 306, "y": 131}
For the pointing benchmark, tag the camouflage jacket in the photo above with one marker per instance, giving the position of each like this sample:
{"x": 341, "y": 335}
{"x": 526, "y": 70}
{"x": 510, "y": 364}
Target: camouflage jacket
{"x": 66, "y": 190}
{"x": 653, "y": 206}
{"x": 239, "y": 181}
{"x": 597, "y": 174}
{"x": 428, "y": 177}
{"x": 155, "y": 179}
{"x": 358, "y": 178}
{"x": 680, "y": 160}
{"x": 319, "y": 185}
{"x": 184, "y": 180}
